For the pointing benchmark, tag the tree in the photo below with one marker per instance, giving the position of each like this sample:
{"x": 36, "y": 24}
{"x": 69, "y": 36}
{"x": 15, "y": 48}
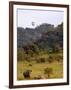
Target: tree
{"x": 56, "y": 47}
{"x": 21, "y": 54}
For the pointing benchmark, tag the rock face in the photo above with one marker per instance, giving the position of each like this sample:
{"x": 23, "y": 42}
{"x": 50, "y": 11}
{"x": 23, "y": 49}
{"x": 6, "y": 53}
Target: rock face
{"x": 44, "y": 35}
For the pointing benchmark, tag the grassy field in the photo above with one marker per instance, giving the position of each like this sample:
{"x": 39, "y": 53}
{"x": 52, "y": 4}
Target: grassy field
{"x": 38, "y": 68}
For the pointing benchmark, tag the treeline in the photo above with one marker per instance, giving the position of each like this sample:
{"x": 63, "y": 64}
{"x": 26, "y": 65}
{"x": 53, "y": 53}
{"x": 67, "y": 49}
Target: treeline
{"x": 43, "y": 37}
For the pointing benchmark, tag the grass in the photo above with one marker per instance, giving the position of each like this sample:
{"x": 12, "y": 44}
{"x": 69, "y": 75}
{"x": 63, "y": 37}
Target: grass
{"x": 38, "y": 68}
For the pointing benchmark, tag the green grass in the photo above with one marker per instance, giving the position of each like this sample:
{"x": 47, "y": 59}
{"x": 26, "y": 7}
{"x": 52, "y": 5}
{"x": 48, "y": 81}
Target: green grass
{"x": 38, "y": 68}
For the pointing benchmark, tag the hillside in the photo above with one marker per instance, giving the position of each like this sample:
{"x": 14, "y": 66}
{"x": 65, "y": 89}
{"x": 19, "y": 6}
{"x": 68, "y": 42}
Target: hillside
{"x": 44, "y": 36}
{"x": 41, "y": 51}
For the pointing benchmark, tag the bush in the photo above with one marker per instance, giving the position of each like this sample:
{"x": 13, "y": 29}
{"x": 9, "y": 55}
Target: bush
{"x": 58, "y": 58}
{"x": 50, "y": 59}
{"x": 20, "y": 54}
{"x": 48, "y": 71}
{"x": 30, "y": 64}
{"x": 40, "y": 60}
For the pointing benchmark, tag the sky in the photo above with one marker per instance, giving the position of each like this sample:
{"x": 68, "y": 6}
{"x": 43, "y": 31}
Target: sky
{"x": 37, "y": 17}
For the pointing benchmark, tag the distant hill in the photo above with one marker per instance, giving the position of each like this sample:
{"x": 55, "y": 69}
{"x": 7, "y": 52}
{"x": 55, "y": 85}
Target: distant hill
{"x": 45, "y": 36}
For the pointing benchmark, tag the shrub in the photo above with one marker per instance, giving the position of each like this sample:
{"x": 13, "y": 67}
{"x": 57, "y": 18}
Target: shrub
{"x": 48, "y": 71}
{"x": 58, "y": 58}
{"x": 50, "y": 59}
{"x": 30, "y": 64}
{"x": 20, "y": 54}
{"x": 40, "y": 60}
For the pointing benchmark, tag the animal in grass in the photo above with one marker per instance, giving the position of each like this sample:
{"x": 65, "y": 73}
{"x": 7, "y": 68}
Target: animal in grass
{"x": 27, "y": 73}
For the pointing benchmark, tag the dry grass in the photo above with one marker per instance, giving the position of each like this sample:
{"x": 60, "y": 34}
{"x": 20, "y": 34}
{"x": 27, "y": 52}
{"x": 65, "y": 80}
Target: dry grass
{"x": 38, "y": 68}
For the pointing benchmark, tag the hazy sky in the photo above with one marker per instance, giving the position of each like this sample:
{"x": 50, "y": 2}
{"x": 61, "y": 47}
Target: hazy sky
{"x": 26, "y": 17}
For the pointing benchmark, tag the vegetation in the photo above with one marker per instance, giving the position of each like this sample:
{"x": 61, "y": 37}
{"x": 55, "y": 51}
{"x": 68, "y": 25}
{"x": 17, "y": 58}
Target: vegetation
{"x": 48, "y": 71}
{"x": 40, "y": 51}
